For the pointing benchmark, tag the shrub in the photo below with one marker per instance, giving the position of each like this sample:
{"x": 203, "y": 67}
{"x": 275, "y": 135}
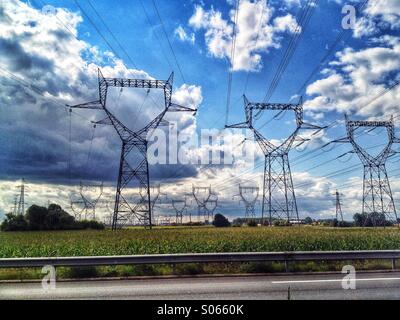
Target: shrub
{"x": 252, "y": 223}
{"x": 51, "y": 218}
{"x": 221, "y": 221}
{"x": 14, "y": 223}
{"x": 281, "y": 223}
{"x": 308, "y": 220}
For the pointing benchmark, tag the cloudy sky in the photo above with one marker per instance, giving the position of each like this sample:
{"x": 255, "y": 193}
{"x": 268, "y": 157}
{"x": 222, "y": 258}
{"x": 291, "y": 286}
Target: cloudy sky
{"x": 50, "y": 52}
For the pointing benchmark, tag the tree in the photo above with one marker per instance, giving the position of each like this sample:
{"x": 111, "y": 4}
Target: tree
{"x": 36, "y": 217}
{"x": 374, "y": 219}
{"x": 221, "y": 221}
{"x": 308, "y": 220}
{"x": 42, "y": 218}
{"x": 14, "y": 223}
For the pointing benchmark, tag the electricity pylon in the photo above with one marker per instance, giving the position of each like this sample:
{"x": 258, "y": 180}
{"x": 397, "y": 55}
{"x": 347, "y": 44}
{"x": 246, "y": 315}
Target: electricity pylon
{"x": 338, "y": 207}
{"x": 180, "y": 208}
{"x": 278, "y": 199}
{"x": 131, "y": 174}
{"x": 155, "y": 196}
{"x": 87, "y": 204}
{"x": 249, "y": 196}
{"x": 19, "y": 201}
{"x": 211, "y": 205}
{"x": 202, "y": 195}
{"x": 377, "y": 194}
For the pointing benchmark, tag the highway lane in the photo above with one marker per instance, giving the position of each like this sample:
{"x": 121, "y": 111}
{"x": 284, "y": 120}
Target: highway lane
{"x": 368, "y": 286}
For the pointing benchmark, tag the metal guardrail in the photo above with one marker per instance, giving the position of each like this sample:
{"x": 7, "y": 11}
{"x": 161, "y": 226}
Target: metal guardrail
{"x": 202, "y": 258}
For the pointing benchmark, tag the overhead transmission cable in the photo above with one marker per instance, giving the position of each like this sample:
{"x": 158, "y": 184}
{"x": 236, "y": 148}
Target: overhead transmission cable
{"x": 232, "y": 64}
{"x": 169, "y": 42}
{"x": 305, "y": 16}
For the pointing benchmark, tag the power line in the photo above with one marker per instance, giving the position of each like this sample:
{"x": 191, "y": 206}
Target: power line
{"x": 339, "y": 38}
{"x": 169, "y": 42}
{"x": 230, "y": 68}
{"x": 155, "y": 33}
{"x": 257, "y": 37}
{"x": 112, "y": 34}
{"x": 305, "y": 16}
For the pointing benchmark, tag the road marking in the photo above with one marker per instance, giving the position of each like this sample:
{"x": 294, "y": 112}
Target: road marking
{"x": 332, "y": 280}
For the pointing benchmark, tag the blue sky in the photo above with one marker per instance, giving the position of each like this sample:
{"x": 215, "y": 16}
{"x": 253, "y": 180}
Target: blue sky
{"x": 359, "y": 69}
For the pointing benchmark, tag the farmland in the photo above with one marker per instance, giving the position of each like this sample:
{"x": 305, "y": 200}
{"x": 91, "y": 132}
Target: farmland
{"x": 200, "y": 239}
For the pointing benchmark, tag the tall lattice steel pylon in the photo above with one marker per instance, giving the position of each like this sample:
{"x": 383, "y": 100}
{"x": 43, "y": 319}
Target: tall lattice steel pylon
{"x": 85, "y": 207}
{"x": 377, "y": 194}
{"x": 278, "y": 200}
{"x": 339, "y": 213}
{"x": 131, "y": 174}
{"x": 202, "y": 195}
{"x": 249, "y": 196}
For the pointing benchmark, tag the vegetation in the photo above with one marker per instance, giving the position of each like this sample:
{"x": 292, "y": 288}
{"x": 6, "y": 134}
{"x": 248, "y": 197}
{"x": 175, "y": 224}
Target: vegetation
{"x": 195, "y": 239}
{"x": 42, "y": 218}
{"x": 221, "y": 221}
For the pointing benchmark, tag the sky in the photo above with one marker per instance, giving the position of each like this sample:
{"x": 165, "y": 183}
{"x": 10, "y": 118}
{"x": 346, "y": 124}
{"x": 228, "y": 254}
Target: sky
{"x": 50, "y": 52}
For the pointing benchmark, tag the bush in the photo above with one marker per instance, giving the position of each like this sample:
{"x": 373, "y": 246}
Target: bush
{"x": 281, "y": 223}
{"x": 14, "y": 223}
{"x": 252, "y": 223}
{"x": 90, "y": 224}
{"x": 308, "y": 220}
{"x": 42, "y": 218}
{"x": 221, "y": 221}
{"x": 371, "y": 220}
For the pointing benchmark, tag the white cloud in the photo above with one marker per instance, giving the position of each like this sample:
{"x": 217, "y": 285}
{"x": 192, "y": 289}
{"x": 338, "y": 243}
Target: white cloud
{"x": 378, "y": 15}
{"x": 184, "y": 36}
{"x": 356, "y": 77}
{"x": 256, "y": 32}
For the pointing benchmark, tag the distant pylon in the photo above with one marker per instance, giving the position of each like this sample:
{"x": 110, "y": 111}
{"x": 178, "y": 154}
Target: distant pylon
{"x": 249, "y": 196}
{"x": 211, "y": 206}
{"x": 339, "y": 212}
{"x": 87, "y": 203}
{"x": 377, "y": 194}
{"x": 202, "y": 195}
{"x": 155, "y": 197}
{"x": 180, "y": 207}
{"x": 278, "y": 200}
{"x": 21, "y": 199}
{"x": 133, "y": 173}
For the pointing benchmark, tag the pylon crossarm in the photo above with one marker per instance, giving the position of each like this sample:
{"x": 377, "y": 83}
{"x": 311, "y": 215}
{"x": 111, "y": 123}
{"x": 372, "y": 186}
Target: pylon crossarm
{"x": 105, "y": 121}
{"x": 173, "y": 107}
{"x": 309, "y": 126}
{"x": 241, "y": 125}
{"x": 135, "y": 83}
{"x": 274, "y": 106}
{"x": 88, "y": 105}
{"x": 300, "y": 141}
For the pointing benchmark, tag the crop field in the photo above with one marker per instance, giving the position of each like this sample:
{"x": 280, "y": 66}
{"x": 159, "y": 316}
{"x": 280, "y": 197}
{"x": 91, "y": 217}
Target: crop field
{"x": 200, "y": 239}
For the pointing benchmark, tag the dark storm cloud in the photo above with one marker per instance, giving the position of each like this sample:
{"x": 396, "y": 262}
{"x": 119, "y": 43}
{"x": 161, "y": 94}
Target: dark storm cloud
{"x": 19, "y": 60}
{"x": 34, "y": 131}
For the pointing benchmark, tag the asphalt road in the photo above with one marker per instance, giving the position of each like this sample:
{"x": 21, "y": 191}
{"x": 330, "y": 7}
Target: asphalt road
{"x": 302, "y": 287}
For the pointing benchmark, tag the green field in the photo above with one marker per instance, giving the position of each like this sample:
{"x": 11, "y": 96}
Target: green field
{"x": 200, "y": 239}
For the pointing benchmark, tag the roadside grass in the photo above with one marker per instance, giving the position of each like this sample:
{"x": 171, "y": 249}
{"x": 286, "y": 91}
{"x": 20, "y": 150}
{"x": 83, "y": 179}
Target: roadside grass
{"x": 192, "y": 269}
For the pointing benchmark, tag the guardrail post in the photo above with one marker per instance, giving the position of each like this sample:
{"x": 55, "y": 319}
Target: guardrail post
{"x": 286, "y": 266}
{"x": 393, "y": 264}
{"x": 174, "y": 268}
